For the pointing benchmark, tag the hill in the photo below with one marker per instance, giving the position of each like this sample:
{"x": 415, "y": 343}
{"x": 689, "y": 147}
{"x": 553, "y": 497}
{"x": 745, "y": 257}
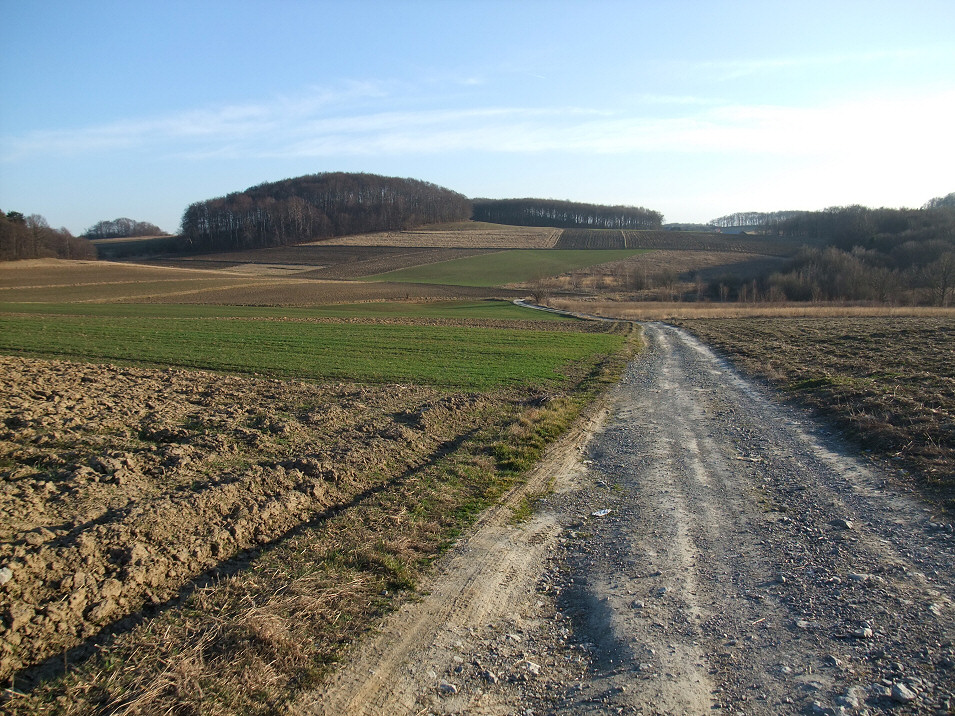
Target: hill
{"x": 316, "y": 206}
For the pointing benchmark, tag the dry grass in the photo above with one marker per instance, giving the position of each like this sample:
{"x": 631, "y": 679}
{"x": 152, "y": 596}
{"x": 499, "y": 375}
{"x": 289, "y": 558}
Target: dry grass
{"x": 664, "y": 311}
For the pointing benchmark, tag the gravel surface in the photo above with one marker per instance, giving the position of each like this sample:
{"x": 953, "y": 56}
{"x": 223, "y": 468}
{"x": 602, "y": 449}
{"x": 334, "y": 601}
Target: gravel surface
{"x": 704, "y": 551}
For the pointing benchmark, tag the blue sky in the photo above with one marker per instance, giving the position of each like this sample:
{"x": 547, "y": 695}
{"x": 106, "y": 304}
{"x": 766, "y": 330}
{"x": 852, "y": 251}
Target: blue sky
{"x": 695, "y": 109}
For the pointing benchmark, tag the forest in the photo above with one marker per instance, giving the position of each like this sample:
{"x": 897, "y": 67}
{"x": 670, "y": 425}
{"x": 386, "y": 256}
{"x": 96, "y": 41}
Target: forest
{"x": 855, "y": 253}
{"x": 316, "y": 206}
{"x": 122, "y": 228}
{"x": 31, "y": 237}
{"x": 564, "y": 214}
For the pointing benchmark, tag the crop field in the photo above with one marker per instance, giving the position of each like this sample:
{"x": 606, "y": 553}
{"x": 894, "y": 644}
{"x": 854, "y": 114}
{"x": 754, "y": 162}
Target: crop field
{"x": 462, "y": 235}
{"x": 672, "y": 240}
{"x": 204, "y": 503}
{"x": 53, "y": 281}
{"x": 467, "y": 356}
{"x": 502, "y": 313}
{"x": 888, "y": 382}
{"x": 504, "y": 267}
{"x": 319, "y": 260}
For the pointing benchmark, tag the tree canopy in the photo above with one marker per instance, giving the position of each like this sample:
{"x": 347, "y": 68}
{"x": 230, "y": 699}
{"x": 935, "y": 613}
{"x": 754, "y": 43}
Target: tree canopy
{"x": 122, "y": 228}
{"x": 31, "y": 237}
{"x": 564, "y": 214}
{"x": 317, "y": 206}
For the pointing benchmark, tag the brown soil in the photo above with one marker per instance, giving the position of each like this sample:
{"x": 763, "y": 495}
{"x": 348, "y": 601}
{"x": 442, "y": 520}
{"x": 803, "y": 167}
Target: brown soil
{"x": 121, "y": 485}
{"x": 462, "y": 236}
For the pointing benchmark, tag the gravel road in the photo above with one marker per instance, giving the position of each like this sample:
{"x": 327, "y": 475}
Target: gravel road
{"x": 705, "y": 549}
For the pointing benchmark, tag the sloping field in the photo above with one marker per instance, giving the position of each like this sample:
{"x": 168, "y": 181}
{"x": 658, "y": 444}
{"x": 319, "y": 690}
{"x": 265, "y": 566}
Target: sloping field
{"x": 672, "y": 240}
{"x": 319, "y": 260}
{"x": 504, "y": 267}
{"x": 464, "y": 235}
{"x": 55, "y": 281}
{"x": 59, "y": 272}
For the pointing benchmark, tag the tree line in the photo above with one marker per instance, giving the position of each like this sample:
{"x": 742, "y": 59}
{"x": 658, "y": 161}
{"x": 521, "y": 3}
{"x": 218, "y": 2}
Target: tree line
{"x": 564, "y": 214}
{"x": 122, "y": 228}
{"x": 884, "y": 255}
{"x": 753, "y": 218}
{"x": 316, "y": 206}
{"x": 31, "y": 237}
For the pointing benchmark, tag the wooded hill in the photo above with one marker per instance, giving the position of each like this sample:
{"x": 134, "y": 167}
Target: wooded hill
{"x": 316, "y": 206}
{"x": 854, "y": 253}
{"x": 31, "y": 237}
{"x": 564, "y": 214}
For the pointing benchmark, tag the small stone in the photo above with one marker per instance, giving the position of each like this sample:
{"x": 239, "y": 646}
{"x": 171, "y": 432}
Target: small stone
{"x": 6, "y": 574}
{"x": 489, "y": 676}
{"x": 638, "y": 604}
{"x": 853, "y": 698}
{"x": 902, "y": 693}
{"x": 533, "y": 668}
{"x": 446, "y": 687}
{"x": 862, "y": 632}
{"x": 842, "y": 524}
{"x": 803, "y": 624}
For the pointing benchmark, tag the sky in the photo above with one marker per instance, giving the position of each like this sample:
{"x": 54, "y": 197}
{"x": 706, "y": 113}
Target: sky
{"x": 692, "y": 108}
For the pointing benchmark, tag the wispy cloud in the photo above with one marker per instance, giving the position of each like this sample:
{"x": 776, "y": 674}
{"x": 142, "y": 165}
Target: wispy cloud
{"x": 360, "y": 120}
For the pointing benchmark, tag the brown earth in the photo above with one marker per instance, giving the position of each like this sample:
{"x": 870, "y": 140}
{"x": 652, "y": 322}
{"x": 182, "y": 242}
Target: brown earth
{"x": 55, "y": 280}
{"x": 319, "y": 260}
{"x": 121, "y": 485}
{"x": 466, "y": 235}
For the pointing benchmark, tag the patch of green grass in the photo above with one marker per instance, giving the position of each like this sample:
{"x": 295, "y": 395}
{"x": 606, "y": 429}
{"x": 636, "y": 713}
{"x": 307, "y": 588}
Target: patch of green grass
{"x": 464, "y": 310}
{"x": 503, "y": 267}
{"x": 469, "y": 357}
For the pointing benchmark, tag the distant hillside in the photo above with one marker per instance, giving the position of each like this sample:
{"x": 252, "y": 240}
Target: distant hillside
{"x": 564, "y": 214}
{"x": 316, "y": 206}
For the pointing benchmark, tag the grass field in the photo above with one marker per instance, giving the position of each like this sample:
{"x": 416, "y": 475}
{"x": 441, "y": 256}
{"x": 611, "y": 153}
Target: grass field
{"x": 452, "y": 310}
{"x": 462, "y": 356}
{"x": 505, "y": 267}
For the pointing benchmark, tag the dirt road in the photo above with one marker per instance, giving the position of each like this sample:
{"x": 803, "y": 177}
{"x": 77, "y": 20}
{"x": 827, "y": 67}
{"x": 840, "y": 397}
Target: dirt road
{"x": 704, "y": 550}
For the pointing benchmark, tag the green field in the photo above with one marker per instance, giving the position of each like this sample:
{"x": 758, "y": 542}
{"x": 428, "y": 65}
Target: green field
{"x": 463, "y": 310}
{"x": 504, "y": 267}
{"x": 458, "y": 356}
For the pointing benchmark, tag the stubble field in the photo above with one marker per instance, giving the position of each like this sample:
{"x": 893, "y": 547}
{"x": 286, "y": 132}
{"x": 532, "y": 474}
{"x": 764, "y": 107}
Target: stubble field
{"x": 888, "y": 382}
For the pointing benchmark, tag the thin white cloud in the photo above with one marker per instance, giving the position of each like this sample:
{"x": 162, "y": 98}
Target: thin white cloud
{"x": 357, "y": 121}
